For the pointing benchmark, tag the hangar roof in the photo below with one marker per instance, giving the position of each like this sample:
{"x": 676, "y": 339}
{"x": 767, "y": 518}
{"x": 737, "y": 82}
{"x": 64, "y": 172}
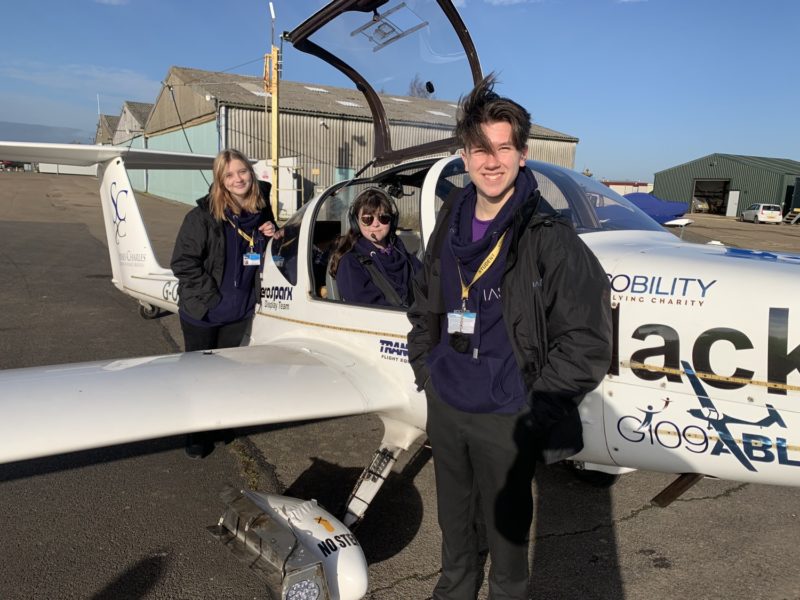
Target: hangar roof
{"x": 777, "y": 165}
{"x": 139, "y": 110}
{"x": 325, "y": 100}
{"x": 109, "y": 121}
{"x": 780, "y": 166}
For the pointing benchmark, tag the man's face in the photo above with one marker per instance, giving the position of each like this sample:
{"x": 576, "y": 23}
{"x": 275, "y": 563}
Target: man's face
{"x": 494, "y": 173}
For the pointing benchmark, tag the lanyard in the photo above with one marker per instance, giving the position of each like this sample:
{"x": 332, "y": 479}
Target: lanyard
{"x": 487, "y": 262}
{"x": 248, "y": 238}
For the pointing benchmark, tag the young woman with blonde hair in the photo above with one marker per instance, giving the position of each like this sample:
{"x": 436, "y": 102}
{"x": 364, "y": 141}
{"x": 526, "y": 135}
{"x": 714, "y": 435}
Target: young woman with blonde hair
{"x": 218, "y": 255}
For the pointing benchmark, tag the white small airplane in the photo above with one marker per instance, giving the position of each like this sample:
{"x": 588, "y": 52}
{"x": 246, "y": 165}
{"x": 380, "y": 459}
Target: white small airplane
{"x": 705, "y": 379}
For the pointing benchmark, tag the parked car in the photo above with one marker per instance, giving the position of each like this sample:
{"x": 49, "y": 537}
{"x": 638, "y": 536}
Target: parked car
{"x": 762, "y": 213}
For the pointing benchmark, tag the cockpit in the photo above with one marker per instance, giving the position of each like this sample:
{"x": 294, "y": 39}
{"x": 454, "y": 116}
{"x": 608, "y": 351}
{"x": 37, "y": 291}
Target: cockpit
{"x": 588, "y": 204}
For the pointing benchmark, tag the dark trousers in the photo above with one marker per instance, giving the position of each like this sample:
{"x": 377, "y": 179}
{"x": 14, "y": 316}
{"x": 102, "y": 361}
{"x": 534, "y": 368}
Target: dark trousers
{"x": 484, "y": 466}
{"x": 229, "y": 335}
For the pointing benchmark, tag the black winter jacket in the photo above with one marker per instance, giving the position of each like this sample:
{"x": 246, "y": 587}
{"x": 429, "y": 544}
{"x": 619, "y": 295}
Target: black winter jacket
{"x": 198, "y": 259}
{"x": 557, "y": 312}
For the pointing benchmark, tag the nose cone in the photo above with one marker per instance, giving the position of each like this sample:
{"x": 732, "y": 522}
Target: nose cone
{"x": 331, "y": 542}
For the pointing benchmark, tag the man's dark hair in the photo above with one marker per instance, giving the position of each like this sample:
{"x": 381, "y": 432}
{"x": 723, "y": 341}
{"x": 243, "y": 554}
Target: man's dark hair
{"x": 483, "y": 105}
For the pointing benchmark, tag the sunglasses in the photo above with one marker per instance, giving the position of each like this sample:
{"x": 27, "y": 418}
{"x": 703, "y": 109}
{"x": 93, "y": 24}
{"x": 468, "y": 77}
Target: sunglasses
{"x": 383, "y": 219}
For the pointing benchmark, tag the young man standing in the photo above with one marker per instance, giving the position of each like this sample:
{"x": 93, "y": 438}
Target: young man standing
{"x": 511, "y": 327}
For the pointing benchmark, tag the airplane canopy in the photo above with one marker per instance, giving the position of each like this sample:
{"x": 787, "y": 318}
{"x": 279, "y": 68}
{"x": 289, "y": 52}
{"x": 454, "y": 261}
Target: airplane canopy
{"x": 402, "y": 50}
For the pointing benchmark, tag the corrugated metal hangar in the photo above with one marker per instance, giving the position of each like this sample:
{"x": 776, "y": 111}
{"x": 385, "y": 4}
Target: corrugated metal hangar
{"x": 325, "y": 131}
{"x": 729, "y": 183}
{"x": 106, "y": 126}
{"x": 130, "y": 125}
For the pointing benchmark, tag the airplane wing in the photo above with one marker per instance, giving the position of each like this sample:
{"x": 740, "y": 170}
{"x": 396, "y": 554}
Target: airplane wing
{"x": 87, "y": 155}
{"x": 65, "y": 408}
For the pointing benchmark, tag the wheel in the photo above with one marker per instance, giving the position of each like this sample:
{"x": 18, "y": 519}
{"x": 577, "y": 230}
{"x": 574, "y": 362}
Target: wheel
{"x": 148, "y": 311}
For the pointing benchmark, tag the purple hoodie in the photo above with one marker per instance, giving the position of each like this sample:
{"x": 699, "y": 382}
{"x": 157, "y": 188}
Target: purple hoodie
{"x": 237, "y": 291}
{"x": 486, "y": 378}
{"x": 355, "y": 284}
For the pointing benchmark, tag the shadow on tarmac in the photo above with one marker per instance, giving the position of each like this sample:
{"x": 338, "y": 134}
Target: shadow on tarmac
{"x": 136, "y": 582}
{"x": 394, "y": 517}
{"x": 84, "y": 458}
{"x": 574, "y": 549}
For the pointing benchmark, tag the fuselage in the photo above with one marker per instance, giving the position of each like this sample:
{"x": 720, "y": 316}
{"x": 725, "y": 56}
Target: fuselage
{"x": 726, "y": 312}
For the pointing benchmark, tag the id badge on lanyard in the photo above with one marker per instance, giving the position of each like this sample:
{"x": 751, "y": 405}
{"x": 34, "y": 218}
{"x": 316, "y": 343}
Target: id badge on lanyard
{"x": 461, "y": 321}
{"x": 251, "y": 258}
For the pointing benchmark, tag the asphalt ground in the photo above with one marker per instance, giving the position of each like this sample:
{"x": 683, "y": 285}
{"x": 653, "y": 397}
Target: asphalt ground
{"x": 729, "y": 231}
{"x": 130, "y": 522}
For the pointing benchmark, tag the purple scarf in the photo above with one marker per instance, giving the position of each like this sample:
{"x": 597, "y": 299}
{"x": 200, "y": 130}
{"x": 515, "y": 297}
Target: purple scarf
{"x": 486, "y": 378}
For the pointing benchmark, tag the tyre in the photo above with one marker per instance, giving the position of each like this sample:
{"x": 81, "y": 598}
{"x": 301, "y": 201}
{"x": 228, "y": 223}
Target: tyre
{"x": 148, "y": 311}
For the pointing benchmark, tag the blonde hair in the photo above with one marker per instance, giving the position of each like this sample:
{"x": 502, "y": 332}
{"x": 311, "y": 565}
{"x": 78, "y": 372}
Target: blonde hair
{"x": 220, "y": 198}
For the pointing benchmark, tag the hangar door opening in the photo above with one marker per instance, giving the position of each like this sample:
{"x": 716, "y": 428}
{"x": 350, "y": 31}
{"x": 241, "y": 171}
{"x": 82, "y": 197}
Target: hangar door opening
{"x": 792, "y": 199}
{"x": 710, "y": 195}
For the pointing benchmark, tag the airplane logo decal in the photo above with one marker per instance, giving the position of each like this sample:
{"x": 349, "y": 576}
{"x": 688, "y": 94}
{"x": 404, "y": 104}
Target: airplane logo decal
{"x": 715, "y": 437}
{"x": 117, "y": 219}
{"x": 394, "y": 350}
{"x": 649, "y": 414}
{"x": 276, "y": 297}
{"x": 657, "y": 289}
{"x": 752, "y": 445}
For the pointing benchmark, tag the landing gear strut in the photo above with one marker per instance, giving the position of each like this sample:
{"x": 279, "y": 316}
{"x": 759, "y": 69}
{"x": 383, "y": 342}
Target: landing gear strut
{"x": 148, "y": 311}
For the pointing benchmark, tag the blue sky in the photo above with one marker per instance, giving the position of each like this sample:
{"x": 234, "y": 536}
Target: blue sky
{"x": 644, "y": 84}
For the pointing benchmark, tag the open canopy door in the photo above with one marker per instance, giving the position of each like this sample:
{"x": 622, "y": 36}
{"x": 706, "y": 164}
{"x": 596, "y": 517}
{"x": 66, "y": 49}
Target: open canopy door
{"x": 388, "y": 45}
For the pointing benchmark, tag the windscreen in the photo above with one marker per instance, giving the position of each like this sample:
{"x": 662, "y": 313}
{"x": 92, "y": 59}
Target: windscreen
{"x": 410, "y": 55}
{"x": 590, "y": 205}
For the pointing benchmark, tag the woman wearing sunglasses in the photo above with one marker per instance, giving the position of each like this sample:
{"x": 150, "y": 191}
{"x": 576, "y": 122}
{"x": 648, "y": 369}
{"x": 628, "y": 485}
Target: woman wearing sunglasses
{"x": 370, "y": 264}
